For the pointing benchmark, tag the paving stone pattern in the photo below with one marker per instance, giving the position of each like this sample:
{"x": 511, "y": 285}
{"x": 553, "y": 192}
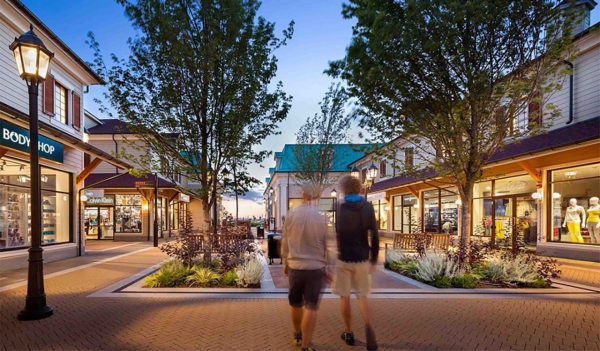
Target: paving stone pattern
{"x": 80, "y": 322}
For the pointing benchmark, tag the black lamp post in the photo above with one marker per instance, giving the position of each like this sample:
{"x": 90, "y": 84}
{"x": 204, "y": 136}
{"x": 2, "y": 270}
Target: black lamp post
{"x": 33, "y": 61}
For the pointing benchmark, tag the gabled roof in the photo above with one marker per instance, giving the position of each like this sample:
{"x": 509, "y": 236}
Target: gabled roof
{"x": 124, "y": 181}
{"x": 343, "y": 156}
{"x": 110, "y": 126}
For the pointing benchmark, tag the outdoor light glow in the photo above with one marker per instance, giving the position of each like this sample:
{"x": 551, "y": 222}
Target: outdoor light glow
{"x": 145, "y": 207}
{"x": 334, "y": 193}
{"x": 86, "y": 137}
{"x": 570, "y": 174}
{"x": 372, "y": 172}
{"x": 355, "y": 172}
{"x": 458, "y": 202}
{"x": 31, "y": 56}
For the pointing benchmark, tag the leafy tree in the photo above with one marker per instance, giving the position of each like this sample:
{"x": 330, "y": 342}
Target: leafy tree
{"x": 453, "y": 77}
{"x": 198, "y": 85}
{"x": 316, "y": 139}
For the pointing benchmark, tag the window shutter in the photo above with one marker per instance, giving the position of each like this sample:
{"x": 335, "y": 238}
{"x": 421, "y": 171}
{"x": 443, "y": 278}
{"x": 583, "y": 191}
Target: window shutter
{"x": 383, "y": 169}
{"x": 76, "y": 111}
{"x": 48, "y": 96}
{"x": 534, "y": 110}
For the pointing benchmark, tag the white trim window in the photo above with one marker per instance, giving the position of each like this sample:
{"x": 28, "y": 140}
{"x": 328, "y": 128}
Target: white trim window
{"x": 60, "y": 103}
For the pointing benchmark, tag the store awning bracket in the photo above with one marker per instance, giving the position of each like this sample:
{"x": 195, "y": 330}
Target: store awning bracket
{"x": 88, "y": 170}
{"x": 532, "y": 171}
{"x": 413, "y": 191}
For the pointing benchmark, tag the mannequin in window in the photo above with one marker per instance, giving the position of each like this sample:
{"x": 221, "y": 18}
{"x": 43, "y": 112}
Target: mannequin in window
{"x": 574, "y": 218}
{"x": 593, "y": 222}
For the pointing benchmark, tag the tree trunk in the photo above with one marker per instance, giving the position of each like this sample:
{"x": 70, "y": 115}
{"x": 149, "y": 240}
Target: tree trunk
{"x": 466, "y": 197}
{"x": 236, "y": 195}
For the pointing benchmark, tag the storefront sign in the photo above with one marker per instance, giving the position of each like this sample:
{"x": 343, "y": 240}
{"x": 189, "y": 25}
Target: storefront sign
{"x": 106, "y": 200}
{"x": 184, "y": 197}
{"x": 17, "y": 138}
{"x": 94, "y": 193}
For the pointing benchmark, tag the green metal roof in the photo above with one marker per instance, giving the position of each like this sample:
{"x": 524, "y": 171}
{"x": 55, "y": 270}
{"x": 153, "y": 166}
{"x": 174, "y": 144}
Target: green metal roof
{"x": 344, "y": 155}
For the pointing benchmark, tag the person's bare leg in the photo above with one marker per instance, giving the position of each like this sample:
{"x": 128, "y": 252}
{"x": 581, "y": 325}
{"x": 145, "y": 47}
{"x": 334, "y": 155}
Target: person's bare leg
{"x": 346, "y": 313}
{"x": 309, "y": 321}
{"x": 297, "y": 313}
{"x": 365, "y": 309}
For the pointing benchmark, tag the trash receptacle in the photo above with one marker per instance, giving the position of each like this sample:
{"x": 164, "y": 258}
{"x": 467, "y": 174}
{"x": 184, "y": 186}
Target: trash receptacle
{"x": 260, "y": 233}
{"x": 274, "y": 247}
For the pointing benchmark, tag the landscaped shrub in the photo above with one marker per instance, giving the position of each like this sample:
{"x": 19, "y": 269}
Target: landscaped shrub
{"x": 250, "y": 272}
{"x": 509, "y": 269}
{"x": 408, "y": 268}
{"x": 202, "y": 277}
{"x": 171, "y": 274}
{"x": 434, "y": 264}
{"x": 465, "y": 281}
{"x": 229, "y": 278}
{"x": 184, "y": 248}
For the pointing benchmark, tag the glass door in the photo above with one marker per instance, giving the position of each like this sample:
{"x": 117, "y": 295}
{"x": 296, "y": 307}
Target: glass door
{"x": 526, "y": 216}
{"x": 504, "y": 221}
{"x": 106, "y": 223}
{"x": 90, "y": 223}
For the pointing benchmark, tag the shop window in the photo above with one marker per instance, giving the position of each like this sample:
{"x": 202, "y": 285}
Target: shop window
{"x": 431, "y": 211}
{"x": 293, "y": 203}
{"x": 60, "y": 103}
{"x": 128, "y": 213}
{"x": 514, "y": 185}
{"x": 406, "y": 214}
{"x": 380, "y": 207}
{"x": 15, "y": 203}
{"x": 574, "y": 210}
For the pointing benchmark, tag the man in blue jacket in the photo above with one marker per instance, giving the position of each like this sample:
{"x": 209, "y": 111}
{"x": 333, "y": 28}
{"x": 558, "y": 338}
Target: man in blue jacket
{"x": 356, "y": 259}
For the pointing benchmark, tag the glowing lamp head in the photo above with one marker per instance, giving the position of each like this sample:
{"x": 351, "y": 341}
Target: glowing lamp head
{"x": 372, "y": 172}
{"x": 32, "y": 57}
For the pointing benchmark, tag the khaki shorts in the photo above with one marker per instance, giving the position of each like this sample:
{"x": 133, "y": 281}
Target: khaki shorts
{"x": 352, "y": 277}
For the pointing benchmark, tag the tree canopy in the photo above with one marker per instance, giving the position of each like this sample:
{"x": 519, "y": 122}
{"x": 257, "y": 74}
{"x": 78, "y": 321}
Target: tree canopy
{"x": 456, "y": 78}
{"x": 199, "y": 85}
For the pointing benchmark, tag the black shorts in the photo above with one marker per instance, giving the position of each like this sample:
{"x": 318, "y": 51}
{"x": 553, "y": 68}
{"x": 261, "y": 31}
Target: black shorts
{"x": 305, "y": 287}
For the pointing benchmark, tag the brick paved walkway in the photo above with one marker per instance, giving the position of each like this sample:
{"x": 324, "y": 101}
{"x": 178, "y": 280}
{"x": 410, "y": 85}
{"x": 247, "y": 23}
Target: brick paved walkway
{"x": 153, "y": 323}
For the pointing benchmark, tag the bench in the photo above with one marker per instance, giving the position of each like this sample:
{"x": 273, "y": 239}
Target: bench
{"x": 408, "y": 242}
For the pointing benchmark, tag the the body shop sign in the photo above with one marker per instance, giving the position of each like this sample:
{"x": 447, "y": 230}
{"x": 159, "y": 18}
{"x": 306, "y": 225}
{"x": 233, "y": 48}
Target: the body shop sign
{"x": 17, "y": 138}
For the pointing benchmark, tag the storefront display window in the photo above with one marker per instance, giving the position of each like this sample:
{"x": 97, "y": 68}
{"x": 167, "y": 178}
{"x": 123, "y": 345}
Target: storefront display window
{"x": 128, "y": 213}
{"x": 381, "y": 207}
{"x": 432, "y": 211}
{"x": 15, "y": 216}
{"x": 514, "y": 185}
{"x": 574, "y": 209}
{"x": 406, "y": 214}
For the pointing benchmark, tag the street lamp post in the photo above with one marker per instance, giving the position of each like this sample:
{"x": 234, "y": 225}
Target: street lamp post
{"x": 33, "y": 61}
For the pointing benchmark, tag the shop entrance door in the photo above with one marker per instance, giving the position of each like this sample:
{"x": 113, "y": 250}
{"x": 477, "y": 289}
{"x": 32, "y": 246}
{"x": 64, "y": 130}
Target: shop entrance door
{"x": 98, "y": 222}
{"x": 106, "y": 223}
{"x": 515, "y": 221}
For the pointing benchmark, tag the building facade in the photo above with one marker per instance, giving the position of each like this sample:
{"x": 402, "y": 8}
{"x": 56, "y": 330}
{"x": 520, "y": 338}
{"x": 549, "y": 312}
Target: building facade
{"x": 284, "y": 189}
{"x": 62, "y": 145}
{"x": 539, "y": 192}
{"x": 119, "y": 205}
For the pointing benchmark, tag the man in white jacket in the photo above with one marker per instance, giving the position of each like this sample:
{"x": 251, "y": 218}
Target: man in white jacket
{"x": 304, "y": 250}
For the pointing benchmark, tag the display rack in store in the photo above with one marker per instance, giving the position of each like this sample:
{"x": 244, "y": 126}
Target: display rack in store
{"x": 48, "y": 219}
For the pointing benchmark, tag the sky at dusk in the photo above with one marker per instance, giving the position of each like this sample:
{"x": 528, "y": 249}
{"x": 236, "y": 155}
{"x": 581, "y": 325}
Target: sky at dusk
{"x": 320, "y": 35}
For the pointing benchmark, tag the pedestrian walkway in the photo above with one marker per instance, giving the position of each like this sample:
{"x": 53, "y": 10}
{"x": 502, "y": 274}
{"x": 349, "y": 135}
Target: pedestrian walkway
{"x": 154, "y": 323}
